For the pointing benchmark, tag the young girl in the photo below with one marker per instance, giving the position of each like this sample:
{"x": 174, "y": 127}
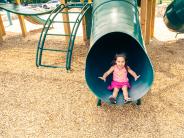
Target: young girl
{"x": 120, "y": 79}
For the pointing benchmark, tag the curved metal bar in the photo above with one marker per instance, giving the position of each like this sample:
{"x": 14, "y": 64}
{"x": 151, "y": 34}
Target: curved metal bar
{"x": 73, "y": 34}
{"x": 44, "y": 32}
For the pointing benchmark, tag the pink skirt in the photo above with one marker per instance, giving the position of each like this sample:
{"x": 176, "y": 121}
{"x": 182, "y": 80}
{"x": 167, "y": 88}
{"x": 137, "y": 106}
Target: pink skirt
{"x": 115, "y": 84}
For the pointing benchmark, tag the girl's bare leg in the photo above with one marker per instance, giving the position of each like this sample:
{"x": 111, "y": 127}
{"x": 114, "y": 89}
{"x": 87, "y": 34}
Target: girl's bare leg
{"x": 125, "y": 92}
{"x": 115, "y": 92}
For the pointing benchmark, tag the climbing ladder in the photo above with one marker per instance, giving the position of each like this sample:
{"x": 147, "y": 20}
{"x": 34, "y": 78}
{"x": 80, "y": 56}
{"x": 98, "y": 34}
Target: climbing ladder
{"x": 44, "y": 34}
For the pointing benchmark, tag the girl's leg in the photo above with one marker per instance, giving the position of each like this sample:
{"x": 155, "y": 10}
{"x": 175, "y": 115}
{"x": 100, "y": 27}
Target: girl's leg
{"x": 115, "y": 92}
{"x": 125, "y": 92}
{"x": 112, "y": 98}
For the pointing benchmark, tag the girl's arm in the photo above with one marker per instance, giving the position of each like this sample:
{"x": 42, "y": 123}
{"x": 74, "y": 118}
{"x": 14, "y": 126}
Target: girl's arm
{"x": 107, "y": 73}
{"x": 133, "y": 73}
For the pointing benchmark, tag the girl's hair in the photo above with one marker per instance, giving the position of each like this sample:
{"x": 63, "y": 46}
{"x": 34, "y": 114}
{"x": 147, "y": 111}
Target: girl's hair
{"x": 120, "y": 55}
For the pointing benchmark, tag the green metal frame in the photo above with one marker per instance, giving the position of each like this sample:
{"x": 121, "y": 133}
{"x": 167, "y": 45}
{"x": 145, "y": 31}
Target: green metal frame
{"x": 99, "y": 102}
{"x": 9, "y": 18}
{"x": 138, "y": 102}
{"x": 44, "y": 34}
{"x": 73, "y": 35}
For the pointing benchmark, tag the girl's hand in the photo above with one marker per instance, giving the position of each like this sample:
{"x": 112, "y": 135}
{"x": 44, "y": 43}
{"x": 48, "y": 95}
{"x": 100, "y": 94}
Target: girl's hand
{"x": 102, "y": 78}
{"x": 137, "y": 77}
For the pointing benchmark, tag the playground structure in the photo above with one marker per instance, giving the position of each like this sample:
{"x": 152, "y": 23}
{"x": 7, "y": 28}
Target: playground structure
{"x": 70, "y": 36}
{"x": 174, "y": 16}
{"x": 30, "y": 14}
{"x": 147, "y": 19}
{"x": 9, "y": 18}
{"x": 120, "y": 33}
{"x": 101, "y": 35}
{"x": 133, "y": 37}
{"x": 47, "y": 102}
{"x": 8, "y": 13}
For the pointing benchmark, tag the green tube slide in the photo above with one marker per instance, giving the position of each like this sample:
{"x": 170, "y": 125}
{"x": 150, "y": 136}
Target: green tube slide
{"x": 115, "y": 29}
{"x": 174, "y": 16}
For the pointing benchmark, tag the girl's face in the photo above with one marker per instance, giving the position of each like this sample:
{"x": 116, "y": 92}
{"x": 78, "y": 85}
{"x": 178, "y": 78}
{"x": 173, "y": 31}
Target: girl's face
{"x": 120, "y": 62}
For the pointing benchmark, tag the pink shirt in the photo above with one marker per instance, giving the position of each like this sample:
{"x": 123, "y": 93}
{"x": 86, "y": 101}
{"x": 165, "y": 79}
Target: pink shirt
{"x": 120, "y": 75}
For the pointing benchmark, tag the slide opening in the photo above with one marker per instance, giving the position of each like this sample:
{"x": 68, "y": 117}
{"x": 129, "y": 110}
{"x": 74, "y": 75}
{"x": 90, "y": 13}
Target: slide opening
{"x": 99, "y": 60}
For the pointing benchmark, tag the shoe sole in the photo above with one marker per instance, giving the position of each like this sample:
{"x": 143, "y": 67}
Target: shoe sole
{"x": 128, "y": 101}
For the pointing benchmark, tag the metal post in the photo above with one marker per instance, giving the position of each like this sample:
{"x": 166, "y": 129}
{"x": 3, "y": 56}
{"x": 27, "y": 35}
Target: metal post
{"x": 9, "y": 18}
